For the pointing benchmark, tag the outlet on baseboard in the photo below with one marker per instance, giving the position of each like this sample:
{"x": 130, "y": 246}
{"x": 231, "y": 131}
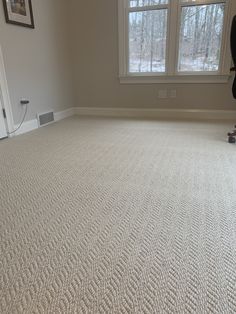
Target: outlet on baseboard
{"x": 173, "y": 93}
{"x": 162, "y": 93}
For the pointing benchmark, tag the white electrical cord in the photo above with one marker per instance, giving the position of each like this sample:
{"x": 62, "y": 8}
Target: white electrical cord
{"x": 26, "y": 109}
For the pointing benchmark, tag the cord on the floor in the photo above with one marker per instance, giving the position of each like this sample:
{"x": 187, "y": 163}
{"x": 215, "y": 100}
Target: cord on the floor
{"x": 26, "y": 109}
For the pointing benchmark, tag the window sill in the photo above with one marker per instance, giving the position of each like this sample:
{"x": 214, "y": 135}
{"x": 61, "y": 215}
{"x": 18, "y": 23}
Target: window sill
{"x": 177, "y": 79}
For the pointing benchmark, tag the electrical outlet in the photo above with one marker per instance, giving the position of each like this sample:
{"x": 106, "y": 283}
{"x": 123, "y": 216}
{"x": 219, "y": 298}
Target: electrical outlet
{"x": 162, "y": 93}
{"x": 173, "y": 93}
{"x": 24, "y": 101}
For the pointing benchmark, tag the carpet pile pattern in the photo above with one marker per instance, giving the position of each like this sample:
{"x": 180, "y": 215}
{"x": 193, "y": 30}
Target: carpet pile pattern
{"x": 122, "y": 216}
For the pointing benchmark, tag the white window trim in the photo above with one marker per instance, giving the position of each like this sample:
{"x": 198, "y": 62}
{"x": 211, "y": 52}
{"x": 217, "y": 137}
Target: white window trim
{"x": 171, "y": 75}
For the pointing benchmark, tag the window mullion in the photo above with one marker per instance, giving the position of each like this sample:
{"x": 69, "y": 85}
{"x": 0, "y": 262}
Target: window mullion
{"x": 172, "y": 41}
{"x": 201, "y": 2}
{"x": 148, "y": 8}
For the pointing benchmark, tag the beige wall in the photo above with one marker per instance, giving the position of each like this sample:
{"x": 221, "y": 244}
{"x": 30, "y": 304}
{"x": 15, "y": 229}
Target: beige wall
{"x": 94, "y": 29}
{"x": 37, "y": 62}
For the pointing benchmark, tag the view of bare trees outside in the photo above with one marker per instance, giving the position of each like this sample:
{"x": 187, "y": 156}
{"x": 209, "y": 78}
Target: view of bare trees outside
{"x": 147, "y": 41}
{"x": 200, "y": 37}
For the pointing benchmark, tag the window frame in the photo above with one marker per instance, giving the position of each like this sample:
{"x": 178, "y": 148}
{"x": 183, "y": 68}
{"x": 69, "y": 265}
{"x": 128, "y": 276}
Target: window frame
{"x": 172, "y": 75}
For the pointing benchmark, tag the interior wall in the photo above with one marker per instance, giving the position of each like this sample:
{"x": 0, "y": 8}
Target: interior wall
{"x": 94, "y": 29}
{"x": 37, "y": 61}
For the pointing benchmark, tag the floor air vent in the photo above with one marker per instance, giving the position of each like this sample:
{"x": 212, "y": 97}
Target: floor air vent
{"x": 45, "y": 118}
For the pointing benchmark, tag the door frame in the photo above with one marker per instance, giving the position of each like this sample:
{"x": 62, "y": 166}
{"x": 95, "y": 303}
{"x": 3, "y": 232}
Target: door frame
{"x": 6, "y": 102}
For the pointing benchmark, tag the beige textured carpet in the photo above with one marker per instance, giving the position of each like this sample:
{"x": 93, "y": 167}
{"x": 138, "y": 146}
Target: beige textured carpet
{"x": 118, "y": 216}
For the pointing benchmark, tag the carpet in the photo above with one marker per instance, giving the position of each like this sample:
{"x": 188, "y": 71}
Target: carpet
{"x": 102, "y": 215}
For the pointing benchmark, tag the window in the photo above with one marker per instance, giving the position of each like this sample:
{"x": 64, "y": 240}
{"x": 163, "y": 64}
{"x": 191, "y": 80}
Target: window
{"x": 147, "y": 37}
{"x": 174, "y": 40}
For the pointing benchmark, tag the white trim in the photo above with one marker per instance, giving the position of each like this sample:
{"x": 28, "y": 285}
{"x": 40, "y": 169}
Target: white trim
{"x": 3, "y": 128}
{"x": 31, "y": 125}
{"x": 153, "y": 113}
{"x": 178, "y": 79}
{"x": 5, "y": 94}
{"x": 27, "y": 126}
{"x": 158, "y": 113}
{"x": 64, "y": 114}
{"x": 200, "y": 2}
{"x": 148, "y": 8}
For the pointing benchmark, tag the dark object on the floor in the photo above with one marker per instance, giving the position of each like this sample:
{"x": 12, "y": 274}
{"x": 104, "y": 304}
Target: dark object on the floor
{"x": 233, "y": 52}
{"x": 232, "y": 140}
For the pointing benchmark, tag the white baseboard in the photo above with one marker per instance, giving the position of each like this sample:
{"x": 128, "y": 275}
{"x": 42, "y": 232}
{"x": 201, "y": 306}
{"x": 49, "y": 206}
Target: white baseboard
{"x": 134, "y": 113}
{"x": 64, "y": 114}
{"x": 33, "y": 124}
{"x": 158, "y": 113}
{"x": 27, "y": 127}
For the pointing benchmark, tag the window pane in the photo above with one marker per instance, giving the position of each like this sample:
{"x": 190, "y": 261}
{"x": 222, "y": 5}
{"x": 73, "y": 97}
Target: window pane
{"x": 200, "y": 37}
{"x": 147, "y": 41}
{"x": 142, "y": 3}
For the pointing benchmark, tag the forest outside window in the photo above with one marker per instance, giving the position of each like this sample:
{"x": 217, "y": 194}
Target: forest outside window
{"x": 174, "y": 40}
